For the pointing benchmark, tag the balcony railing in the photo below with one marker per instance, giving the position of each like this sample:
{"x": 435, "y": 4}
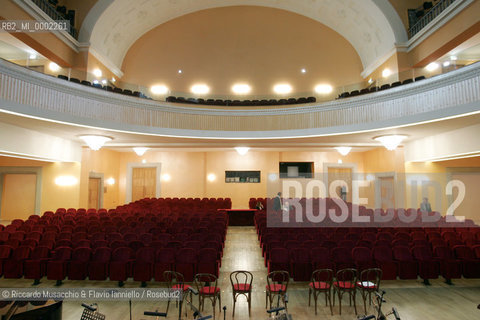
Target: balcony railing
{"x": 429, "y": 16}
{"x": 55, "y": 15}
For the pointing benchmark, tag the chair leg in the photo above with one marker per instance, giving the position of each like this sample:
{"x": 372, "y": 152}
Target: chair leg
{"x": 309, "y": 295}
{"x": 315, "y": 296}
{"x": 340, "y": 302}
{"x": 330, "y": 301}
{"x": 220, "y": 302}
{"x": 355, "y": 301}
{"x": 249, "y": 303}
{"x": 234, "y": 301}
{"x": 168, "y": 304}
{"x": 364, "y": 297}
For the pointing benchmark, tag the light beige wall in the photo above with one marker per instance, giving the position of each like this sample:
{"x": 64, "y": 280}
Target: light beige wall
{"x": 18, "y": 196}
{"x": 257, "y": 45}
{"x": 53, "y": 196}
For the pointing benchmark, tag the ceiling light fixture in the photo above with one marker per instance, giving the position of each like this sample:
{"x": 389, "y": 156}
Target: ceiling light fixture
{"x": 282, "y": 88}
{"x": 323, "y": 88}
{"x": 241, "y": 88}
{"x": 370, "y": 81}
{"x": 104, "y": 81}
{"x": 97, "y": 73}
{"x": 453, "y": 58}
{"x": 95, "y": 142}
{"x": 343, "y": 150}
{"x": 53, "y": 66}
{"x": 211, "y": 177}
{"x": 180, "y": 71}
{"x": 386, "y": 73}
{"x": 242, "y": 150}
{"x": 32, "y": 56}
{"x": 140, "y": 151}
{"x": 200, "y": 89}
{"x": 392, "y": 141}
{"x": 113, "y": 79}
{"x": 159, "y": 89}
{"x": 432, "y": 66}
{"x": 446, "y": 63}
{"x": 303, "y": 70}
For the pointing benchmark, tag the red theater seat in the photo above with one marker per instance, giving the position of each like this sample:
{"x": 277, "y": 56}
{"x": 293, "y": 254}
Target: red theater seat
{"x": 98, "y": 264}
{"x": 78, "y": 265}
{"x": 384, "y": 259}
{"x": 57, "y": 266}
{"x": 407, "y": 266}
{"x": 13, "y": 267}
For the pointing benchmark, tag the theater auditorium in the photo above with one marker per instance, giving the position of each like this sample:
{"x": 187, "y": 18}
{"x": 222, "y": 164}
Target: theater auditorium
{"x": 256, "y": 159}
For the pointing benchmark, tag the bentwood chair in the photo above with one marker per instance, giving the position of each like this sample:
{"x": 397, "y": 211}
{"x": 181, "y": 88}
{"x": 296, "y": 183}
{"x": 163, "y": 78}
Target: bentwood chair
{"x": 277, "y": 285}
{"x": 175, "y": 281}
{"x": 369, "y": 282}
{"x": 345, "y": 282}
{"x": 207, "y": 287}
{"x": 241, "y": 285}
{"x": 322, "y": 280}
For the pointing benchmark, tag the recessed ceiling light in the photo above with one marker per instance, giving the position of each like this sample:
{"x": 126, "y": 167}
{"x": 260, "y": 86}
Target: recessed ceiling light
{"x": 113, "y": 79}
{"x": 386, "y": 73}
{"x": 53, "y": 66}
{"x": 323, "y": 88}
{"x": 370, "y": 81}
{"x": 453, "y": 58}
{"x": 104, "y": 81}
{"x": 303, "y": 70}
{"x": 33, "y": 56}
{"x": 432, "y": 66}
{"x": 200, "y": 89}
{"x": 180, "y": 71}
{"x": 97, "y": 73}
{"x": 282, "y": 88}
{"x": 159, "y": 89}
{"x": 95, "y": 81}
{"x": 241, "y": 88}
{"x": 446, "y": 63}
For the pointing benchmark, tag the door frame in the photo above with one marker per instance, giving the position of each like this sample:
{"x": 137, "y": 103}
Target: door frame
{"x": 327, "y": 165}
{"x": 130, "y": 166}
{"x": 101, "y": 176}
{"x": 378, "y": 191}
{"x": 37, "y": 171}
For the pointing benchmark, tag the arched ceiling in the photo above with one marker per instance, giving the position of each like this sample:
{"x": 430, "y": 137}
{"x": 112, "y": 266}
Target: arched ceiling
{"x": 371, "y": 26}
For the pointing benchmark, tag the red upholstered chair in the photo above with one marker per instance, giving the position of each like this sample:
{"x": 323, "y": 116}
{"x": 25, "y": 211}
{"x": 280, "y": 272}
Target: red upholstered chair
{"x": 84, "y": 243}
{"x": 57, "y": 266}
{"x": 18, "y": 235}
{"x": 428, "y": 266}
{"x": 470, "y": 264}
{"x": 369, "y": 282}
{"x": 278, "y": 260}
{"x": 4, "y": 236}
{"x": 176, "y": 281}
{"x": 345, "y": 282}
{"x": 164, "y": 261}
{"x": 78, "y": 265}
{"x": 35, "y": 235}
{"x": 321, "y": 281}
{"x": 300, "y": 264}
{"x": 277, "y": 285}
{"x": 31, "y": 243}
{"x": 207, "y": 287}
{"x": 98, "y": 264}
{"x": 321, "y": 258}
{"x": 118, "y": 244}
{"x": 186, "y": 262}
{"x": 208, "y": 262}
{"x": 120, "y": 264}
{"x": 241, "y": 285}
{"x": 450, "y": 267}
{"x": 63, "y": 243}
{"x": 143, "y": 265}
{"x": 384, "y": 259}
{"x": 35, "y": 267}
{"x": 407, "y": 265}
{"x": 363, "y": 259}
{"x": 342, "y": 258}
{"x": 13, "y": 267}
{"x": 99, "y": 244}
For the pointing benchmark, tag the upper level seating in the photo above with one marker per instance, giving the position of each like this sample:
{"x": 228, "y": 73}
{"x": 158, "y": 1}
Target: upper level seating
{"x": 381, "y": 88}
{"x": 106, "y": 87}
{"x": 237, "y": 103}
{"x": 140, "y": 240}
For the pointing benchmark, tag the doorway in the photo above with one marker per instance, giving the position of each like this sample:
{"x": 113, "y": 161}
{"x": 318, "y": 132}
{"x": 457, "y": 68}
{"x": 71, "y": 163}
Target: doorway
{"x": 94, "y": 189}
{"x": 143, "y": 180}
{"x": 342, "y": 174}
{"x": 387, "y": 192}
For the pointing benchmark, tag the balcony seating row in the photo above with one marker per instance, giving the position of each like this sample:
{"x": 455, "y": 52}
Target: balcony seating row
{"x": 237, "y": 103}
{"x": 381, "y": 88}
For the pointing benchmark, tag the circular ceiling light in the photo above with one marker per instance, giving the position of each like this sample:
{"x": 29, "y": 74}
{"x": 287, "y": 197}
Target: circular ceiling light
{"x": 392, "y": 141}
{"x": 140, "y": 151}
{"x": 282, "y": 88}
{"x": 432, "y": 66}
{"x": 323, "y": 88}
{"x": 343, "y": 150}
{"x": 159, "y": 89}
{"x": 97, "y": 73}
{"x": 53, "y": 66}
{"x": 95, "y": 142}
{"x": 386, "y": 73}
{"x": 200, "y": 89}
{"x": 241, "y": 88}
{"x": 303, "y": 70}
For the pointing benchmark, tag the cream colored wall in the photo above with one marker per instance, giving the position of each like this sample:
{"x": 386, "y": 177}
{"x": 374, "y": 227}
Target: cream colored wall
{"x": 105, "y": 162}
{"x": 18, "y": 196}
{"x": 258, "y": 45}
{"x": 53, "y": 196}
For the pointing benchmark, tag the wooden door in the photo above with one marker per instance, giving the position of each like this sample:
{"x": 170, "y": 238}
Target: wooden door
{"x": 344, "y": 174}
{"x": 387, "y": 192}
{"x": 18, "y": 196}
{"x": 144, "y": 183}
{"x": 94, "y": 194}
